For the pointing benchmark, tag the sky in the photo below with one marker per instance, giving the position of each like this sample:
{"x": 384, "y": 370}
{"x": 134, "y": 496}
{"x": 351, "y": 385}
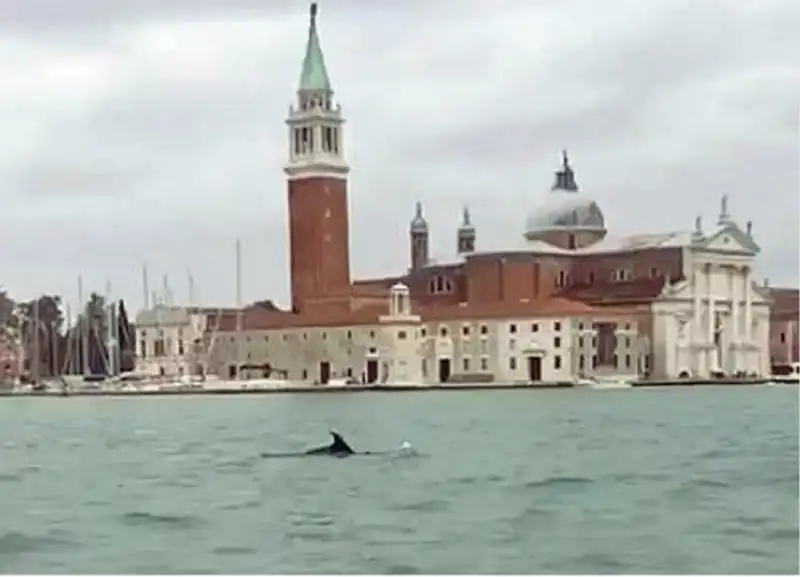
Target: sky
{"x": 152, "y": 131}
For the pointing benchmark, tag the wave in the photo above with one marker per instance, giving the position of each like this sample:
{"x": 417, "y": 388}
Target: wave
{"x": 558, "y": 481}
{"x": 140, "y": 518}
{"x": 18, "y": 542}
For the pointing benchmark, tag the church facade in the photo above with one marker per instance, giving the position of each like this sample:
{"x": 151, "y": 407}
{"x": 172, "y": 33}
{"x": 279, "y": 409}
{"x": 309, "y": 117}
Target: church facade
{"x": 567, "y": 300}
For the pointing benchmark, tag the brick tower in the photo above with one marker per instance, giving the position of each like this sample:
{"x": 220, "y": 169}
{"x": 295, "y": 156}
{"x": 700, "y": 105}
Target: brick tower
{"x": 317, "y": 186}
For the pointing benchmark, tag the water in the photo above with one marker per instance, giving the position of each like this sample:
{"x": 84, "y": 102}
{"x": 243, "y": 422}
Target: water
{"x": 695, "y": 480}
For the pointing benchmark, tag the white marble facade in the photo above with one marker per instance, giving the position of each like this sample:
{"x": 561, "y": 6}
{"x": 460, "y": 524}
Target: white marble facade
{"x": 717, "y": 320}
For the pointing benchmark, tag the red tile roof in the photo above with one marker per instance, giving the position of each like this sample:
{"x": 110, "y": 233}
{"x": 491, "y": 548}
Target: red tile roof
{"x": 637, "y": 291}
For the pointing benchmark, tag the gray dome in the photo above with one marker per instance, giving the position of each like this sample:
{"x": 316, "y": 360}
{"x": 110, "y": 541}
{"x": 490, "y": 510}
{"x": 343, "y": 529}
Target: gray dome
{"x": 565, "y": 208}
{"x": 566, "y": 211}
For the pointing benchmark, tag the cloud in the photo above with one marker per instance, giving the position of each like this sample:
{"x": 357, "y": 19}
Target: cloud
{"x": 153, "y": 131}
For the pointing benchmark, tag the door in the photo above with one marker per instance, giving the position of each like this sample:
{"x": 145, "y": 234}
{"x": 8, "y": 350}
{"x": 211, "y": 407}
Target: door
{"x": 534, "y": 369}
{"x": 444, "y": 370}
{"x": 372, "y": 371}
{"x": 324, "y": 372}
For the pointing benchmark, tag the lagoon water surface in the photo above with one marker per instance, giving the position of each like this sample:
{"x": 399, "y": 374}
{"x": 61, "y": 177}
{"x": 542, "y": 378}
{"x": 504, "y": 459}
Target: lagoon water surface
{"x": 691, "y": 480}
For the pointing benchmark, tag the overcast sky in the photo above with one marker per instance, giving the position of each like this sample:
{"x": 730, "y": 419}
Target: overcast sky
{"x": 152, "y": 131}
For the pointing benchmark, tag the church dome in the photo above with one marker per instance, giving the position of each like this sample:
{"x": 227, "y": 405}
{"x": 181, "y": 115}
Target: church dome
{"x": 565, "y": 208}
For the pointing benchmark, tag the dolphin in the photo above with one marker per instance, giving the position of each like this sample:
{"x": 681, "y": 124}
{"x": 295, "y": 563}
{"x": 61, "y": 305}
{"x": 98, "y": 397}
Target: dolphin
{"x": 337, "y": 448}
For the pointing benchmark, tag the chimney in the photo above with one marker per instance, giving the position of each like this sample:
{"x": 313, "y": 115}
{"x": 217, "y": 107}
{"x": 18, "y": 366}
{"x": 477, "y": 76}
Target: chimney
{"x": 766, "y": 282}
{"x": 750, "y": 228}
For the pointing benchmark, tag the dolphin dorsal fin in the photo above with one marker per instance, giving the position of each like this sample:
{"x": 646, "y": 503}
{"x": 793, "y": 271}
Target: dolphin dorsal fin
{"x": 339, "y": 444}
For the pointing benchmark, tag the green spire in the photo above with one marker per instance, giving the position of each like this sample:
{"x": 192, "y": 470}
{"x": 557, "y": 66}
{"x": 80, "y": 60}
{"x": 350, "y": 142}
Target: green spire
{"x": 314, "y": 76}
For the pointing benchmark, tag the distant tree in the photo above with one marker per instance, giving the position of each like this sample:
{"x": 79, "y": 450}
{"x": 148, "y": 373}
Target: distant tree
{"x": 126, "y": 339}
{"x": 7, "y": 306}
{"x": 41, "y": 322}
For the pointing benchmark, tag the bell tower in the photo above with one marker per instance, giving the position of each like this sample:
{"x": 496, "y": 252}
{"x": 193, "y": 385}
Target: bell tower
{"x": 418, "y": 236}
{"x": 317, "y": 184}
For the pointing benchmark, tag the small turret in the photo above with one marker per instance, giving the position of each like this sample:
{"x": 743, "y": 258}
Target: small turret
{"x": 466, "y": 234}
{"x": 565, "y": 178}
{"x": 697, "y": 233}
{"x": 419, "y": 238}
{"x": 724, "y": 213}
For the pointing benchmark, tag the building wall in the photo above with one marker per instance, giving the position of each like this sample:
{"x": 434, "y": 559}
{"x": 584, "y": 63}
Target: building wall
{"x": 496, "y": 350}
{"x": 170, "y": 341}
{"x": 784, "y": 341}
{"x": 318, "y": 238}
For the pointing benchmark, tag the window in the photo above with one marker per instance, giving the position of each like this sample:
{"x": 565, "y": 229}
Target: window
{"x": 561, "y": 279}
{"x": 783, "y": 337}
{"x": 580, "y": 342}
{"x": 594, "y": 342}
{"x": 512, "y": 344}
{"x": 349, "y": 373}
{"x": 305, "y": 374}
{"x": 443, "y": 331}
{"x": 512, "y": 328}
{"x": 512, "y": 363}
{"x": 372, "y": 334}
{"x": 581, "y": 362}
{"x": 423, "y": 332}
{"x": 571, "y": 241}
{"x": 616, "y": 361}
{"x": 305, "y": 336}
{"x": 266, "y": 338}
{"x": 594, "y": 361}
{"x": 180, "y": 347}
{"x": 590, "y": 277}
{"x": 627, "y": 361}
{"x": 484, "y": 330}
{"x": 401, "y": 335}
{"x": 654, "y": 272}
{"x": 465, "y": 364}
{"x": 484, "y": 364}
{"x": 556, "y": 362}
{"x": 557, "y": 342}
{"x": 556, "y": 326}
{"x": 627, "y": 342}
{"x": 465, "y": 330}
{"x": 440, "y": 285}
{"x": 143, "y": 348}
{"x": 580, "y": 326}
{"x": 324, "y": 336}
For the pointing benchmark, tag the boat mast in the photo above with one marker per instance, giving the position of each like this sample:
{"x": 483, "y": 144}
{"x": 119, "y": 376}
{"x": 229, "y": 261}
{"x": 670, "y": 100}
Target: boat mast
{"x": 69, "y": 364}
{"x": 83, "y": 329}
{"x": 35, "y": 361}
{"x": 145, "y": 287}
{"x": 111, "y": 333}
{"x": 238, "y": 308}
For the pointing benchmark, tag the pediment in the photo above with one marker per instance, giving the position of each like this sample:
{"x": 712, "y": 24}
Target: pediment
{"x": 729, "y": 238}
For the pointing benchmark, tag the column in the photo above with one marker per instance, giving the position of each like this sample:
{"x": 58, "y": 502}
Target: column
{"x": 748, "y": 306}
{"x": 735, "y": 303}
{"x": 696, "y": 295}
{"x": 710, "y": 337}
